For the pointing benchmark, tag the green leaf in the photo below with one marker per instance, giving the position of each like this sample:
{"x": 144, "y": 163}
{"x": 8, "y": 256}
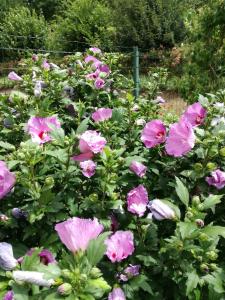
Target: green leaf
{"x": 216, "y": 281}
{"x": 186, "y": 229}
{"x": 20, "y": 292}
{"x": 192, "y": 282}
{"x": 141, "y": 282}
{"x": 60, "y": 154}
{"x": 147, "y": 260}
{"x": 83, "y": 126}
{"x": 182, "y": 192}
{"x": 7, "y": 146}
{"x": 214, "y": 231}
{"x": 96, "y": 249}
{"x": 211, "y": 201}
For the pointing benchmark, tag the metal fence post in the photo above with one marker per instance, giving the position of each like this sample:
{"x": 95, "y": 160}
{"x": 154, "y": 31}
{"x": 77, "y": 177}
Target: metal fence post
{"x": 136, "y": 77}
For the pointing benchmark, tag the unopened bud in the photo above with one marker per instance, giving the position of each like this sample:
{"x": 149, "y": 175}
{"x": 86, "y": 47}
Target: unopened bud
{"x": 211, "y": 166}
{"x": 3, "y": 218}
{"x": 18, "y": 213}
{"x": 222, "y": 152}
{"x": 200, "y": 223}
{"x": 64, "y": 289}
{"x": 204, "y": 268}
{"x": 49, "y": 181}
{"x": 212, "y": 255}
{"x": 196, "y": 200}
{"x": 198, "y": 167}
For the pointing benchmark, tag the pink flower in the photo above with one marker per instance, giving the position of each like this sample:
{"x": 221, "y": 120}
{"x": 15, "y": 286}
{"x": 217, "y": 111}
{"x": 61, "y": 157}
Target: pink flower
{"x": 120, "y": 245}
{"x": 195, "y": 114}
{"x": 91, "y": 141}
{"x": 90, "y": 58}
{"x": 160, "y": 210}
{"x": 45, "y": 65}
{"x": 93, "y": 76}
{"x": 217, "y": 179}
{"x": 159, "y": 100}
{"x": 137, "y": 200}
{"x": 9, "y": 296}
{"x": 181, "y": 139}
{"x": 95, "y": 50}
{"x": 153, "y": 134}
{"x": 46, "y": 257}
{"x": 35, "y": 57}
{"x": 39, "y": 128}
{"x": 7, "y": 179}
{"x": 13, "y": 76}
{"x": 88, "y": 168}
{"x": 138, "y": 168}
{"x": 102, "y": 114}
{"x": 99, "y": 83}
{"x": 117, "y": 294}
{"x": 104, "y": 69}
{"x": 76, "y": 233}
{"x": 83, "y": 156}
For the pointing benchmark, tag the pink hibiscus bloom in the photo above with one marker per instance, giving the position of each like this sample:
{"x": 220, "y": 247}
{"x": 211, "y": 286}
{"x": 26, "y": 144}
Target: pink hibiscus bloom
{"x": 88, "y": 168}
{"x": 217, "y": 179}
{"x": 137, "y": 200}
{"x": 102, "y": 114}
{"x": 181, "y": 139}
{"x": 13, "y": 76}
{"x": 91, "y": 141}
{"x": 99, "y": 83}
{"x": 93, "y": 76}
{"x": 83, "y": 156}
{"x": 7, "y": 179}
{"x": 104, "y": 69}
{"x": 117, "y": 294}
{"x": 38, "y": 128}
{"x": 195, "y": 114}
{"x": 120, "y": 245}
{"x": 45, "y": 65}
{"x": 138, "y": 168}
{"x": 76, "y": 233}
{"x": 9, "y": 296}
{"x": 153, "y": 134}
{"x": 95, "y": 50}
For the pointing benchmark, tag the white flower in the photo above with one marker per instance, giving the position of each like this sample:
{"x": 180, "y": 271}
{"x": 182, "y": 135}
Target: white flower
{"x": 140, "y": 122}
{"x": 160, "y": 210}
{"x": 32, "y": 277}
{"x": 7, "y": 260}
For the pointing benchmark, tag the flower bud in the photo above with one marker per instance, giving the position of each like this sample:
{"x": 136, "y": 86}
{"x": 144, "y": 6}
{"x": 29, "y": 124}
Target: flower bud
{"x": 200, "y": 223}
{"x": 196, "y": 200}
{"x": 18, "y": 213}
{"x": 95, "y": 273}
{"x": 161, "y": 210}
{"x": 213, "y": 267}
{"x": 222, "y": 152}
{"x": 211, "y": 166}
{"x": 189, "y": 215}
{"x": 66, "y": 273}
{"x": 64, "y": 289}
{"x": 7, "y": 260}
{"x": 93, "y": 197}
{"x": 203, "y": 237}
{"x": 36, "y": 278}
{"x": 49, "y": 181}
{"x": 198, "y": 167}
{"x": 204, "y": 268}
{"x": 3, "y": 218}
{"x": 212, "y": 255}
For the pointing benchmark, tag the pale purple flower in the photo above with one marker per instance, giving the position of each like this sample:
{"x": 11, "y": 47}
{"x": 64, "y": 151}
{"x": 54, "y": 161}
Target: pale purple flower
{"x": 217, "y": 179}
{"x": 117, "y": 294}
{"x": 120, "y": 245}
{"x": 88, "y": 168}
{"x": 102, "y": 114}
{"x": 38, "y": 89}
{"x": 138, "y": 168}
{"x": 137, "y": 200}
{"x": 91, "y": 141}
{"x": 132, "y": 270}
{"x": 99, "y": 83}
{"x": 135, "y": 108}
{"x": 160, "y": 210}
{"x": 159, "y": 100}
{"x": 181, "y": 139}
{"x": 76, "y": 233}
{"x": 7, "y": 260}
{"x": 153, "y": 134}
{"x": 39, "y": 128}
{"x": 36, "y": 278}
{"x": 9, "y": 296}
{"x": 15, "y": 77}
{"x": 35, "y": 57}
{"x": 95, "y": 50}
{"x": 45, "y": 65}
{"x": 195, "y": 114}
{"x": 83, "y": 156}
{"x": 46, "y": 257}
{"x": 140, "y": 122}
{"x": 91, "y": 59}
{"x": 7, "y": 179}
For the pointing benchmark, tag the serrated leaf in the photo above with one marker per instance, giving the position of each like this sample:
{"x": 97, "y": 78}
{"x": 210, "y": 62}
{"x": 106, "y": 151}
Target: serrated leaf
{"x": 97, "y": 249}
{"x": 214, "y": 231}
{"x": 7, "y": 146}
{"x": 186, "y": 229}
{"x": 211, "y": 201}
{"x": 83, "y": 126}
{"x": 192, "y": 282}
{"x": 182, "y": 191}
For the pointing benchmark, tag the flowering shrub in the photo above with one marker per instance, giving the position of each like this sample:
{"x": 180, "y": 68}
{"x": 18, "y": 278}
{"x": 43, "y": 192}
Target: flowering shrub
{"x": 101, "y": 198}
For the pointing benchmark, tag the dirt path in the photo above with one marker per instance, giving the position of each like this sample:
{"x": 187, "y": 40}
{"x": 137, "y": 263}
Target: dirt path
{"x": 174, "y": 103}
